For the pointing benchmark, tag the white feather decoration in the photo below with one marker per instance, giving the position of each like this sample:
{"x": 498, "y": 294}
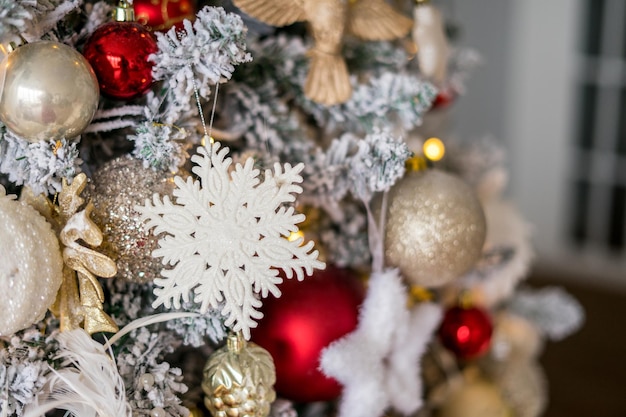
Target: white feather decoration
{"x": 87, "y": 384}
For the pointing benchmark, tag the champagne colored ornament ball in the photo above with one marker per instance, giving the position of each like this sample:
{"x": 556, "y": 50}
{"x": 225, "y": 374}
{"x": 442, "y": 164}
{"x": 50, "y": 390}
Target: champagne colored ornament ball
{"x": 308, "y": 316}
{"x": 435, "y": 228}
{"x": 515, "y": 338}
{"x": 466, "y": 331}
{"x": 116, "y": 188}
{"x": 163, "y": 14}
{"x": 475, "y": 399}
{"x": 31, "y": 266}
{"x": 118, "y": 53}
{"x": 238, "y": 380}
{"x": 49, "y": 91}
{"x": 523, "y": 387}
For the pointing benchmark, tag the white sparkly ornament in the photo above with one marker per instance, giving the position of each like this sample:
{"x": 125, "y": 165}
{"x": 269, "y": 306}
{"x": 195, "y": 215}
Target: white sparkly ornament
{"x": 30, "y": 265}
{"x": 47, "y": 91}
{"x": 435, "y": 228}
{"x": 226, "y": 237}
{"x": 430, "y": 38}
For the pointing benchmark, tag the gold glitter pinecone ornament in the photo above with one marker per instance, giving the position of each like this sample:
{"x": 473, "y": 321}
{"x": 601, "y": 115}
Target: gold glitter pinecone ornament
{"x": 435, "y": 228}
{"x": 116, "y": 188}
{"x": 238, "y": 380}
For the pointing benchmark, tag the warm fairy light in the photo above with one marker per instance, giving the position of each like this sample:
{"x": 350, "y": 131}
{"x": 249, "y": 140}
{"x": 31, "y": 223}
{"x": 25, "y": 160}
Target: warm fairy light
{"x": 203, "y": 141}
{"x": 420, "y": 293}
{"x": 434, "y": 149}
{"x": 295, "y": 236}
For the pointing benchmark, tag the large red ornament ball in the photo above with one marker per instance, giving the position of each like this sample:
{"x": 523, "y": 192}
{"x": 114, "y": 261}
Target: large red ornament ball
{"x": 118, "y": 53}
{"x": 308, "y": 316}
{"x": 163, "y": 14}
{"x": 466, "y": 331}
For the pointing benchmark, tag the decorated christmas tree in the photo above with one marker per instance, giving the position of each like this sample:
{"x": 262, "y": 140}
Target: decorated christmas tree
{"x": 251, "y": 209}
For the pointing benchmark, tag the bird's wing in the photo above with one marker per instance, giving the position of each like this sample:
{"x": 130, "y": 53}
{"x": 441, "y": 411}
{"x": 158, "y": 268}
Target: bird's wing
{"x": 375, "y": 20}
{"x": 273, "y": 12}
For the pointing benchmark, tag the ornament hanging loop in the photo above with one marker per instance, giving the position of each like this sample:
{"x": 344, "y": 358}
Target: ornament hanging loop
{"x": 235, "y": 342}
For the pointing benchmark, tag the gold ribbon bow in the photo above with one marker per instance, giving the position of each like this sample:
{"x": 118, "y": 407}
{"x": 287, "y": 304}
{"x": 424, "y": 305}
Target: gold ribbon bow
{"x": 79, "y": 300}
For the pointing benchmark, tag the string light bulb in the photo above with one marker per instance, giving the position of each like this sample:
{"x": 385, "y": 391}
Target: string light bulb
{"x": 295, "y": 235}
{"x": 434, "y": 149}
{"x": 205, "y": 139}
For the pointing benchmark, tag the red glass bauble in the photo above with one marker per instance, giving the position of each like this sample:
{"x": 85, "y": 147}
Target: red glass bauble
{"x": 444, "y": 98}
{"x": 118, "y": 53}
{"x": 296, "y": 327}
{"x": 466, "y": 331}
{"x": 163, "y": 14}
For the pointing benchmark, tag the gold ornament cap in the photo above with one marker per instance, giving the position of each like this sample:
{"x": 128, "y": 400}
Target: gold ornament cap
{"x": 124, "y": 12}
{"x": 238, "y": 380}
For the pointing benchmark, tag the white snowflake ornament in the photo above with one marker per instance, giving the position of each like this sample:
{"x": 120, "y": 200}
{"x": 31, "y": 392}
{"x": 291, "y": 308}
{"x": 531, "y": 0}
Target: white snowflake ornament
{"x": 226, "y": 237}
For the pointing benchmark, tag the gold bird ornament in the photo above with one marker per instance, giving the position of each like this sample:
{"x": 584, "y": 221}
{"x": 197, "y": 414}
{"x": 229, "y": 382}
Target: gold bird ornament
{"x": 328, "y": 81}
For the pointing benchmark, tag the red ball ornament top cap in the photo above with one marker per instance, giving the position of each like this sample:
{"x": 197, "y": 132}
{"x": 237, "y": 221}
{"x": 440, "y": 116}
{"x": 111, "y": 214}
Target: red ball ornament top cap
{"x": 124, "y": 12}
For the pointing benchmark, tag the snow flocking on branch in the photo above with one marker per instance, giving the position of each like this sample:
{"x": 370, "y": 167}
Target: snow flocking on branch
{"x": 159, "y": 146}
{"x": 226, "y": 237}
{"x": 23, "y": 368}
{"x": 205, "y": 51}
{"x": 44, "y": 16}
{"x": 552, "y": 309}
{"x": 150, "y": 381}
{"x": 378, "y": 163}
{"x": 42, "y": 165}
{"x": 14, "y": 18}
{"x": 385, "y": 99}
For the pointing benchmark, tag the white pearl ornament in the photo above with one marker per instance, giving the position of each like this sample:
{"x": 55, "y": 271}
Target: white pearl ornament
{"x": 31, "y": 266}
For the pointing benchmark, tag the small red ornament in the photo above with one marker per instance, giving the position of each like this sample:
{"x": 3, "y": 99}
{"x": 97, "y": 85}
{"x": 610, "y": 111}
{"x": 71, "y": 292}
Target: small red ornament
{"x": 466, "y": 331}
{"x": 163, "y": 14}
{"x": 118, "y": 52}
{"x": 445, "y": 97}
{"x": 296, "y": 327}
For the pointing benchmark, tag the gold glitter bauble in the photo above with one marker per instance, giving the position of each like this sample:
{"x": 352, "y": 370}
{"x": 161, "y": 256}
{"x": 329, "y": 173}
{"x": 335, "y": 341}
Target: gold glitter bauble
{"x": 435, "y": 228}
{"x": 115, "y": 190}
{"x": 238, "y": 380}
{"x": 31, "y": 266}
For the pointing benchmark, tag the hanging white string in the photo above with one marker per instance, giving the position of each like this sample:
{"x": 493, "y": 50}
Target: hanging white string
{"x": 207, "y": 132}
{"x": 217, "y": 86}
{"x": 198, "y": 104}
